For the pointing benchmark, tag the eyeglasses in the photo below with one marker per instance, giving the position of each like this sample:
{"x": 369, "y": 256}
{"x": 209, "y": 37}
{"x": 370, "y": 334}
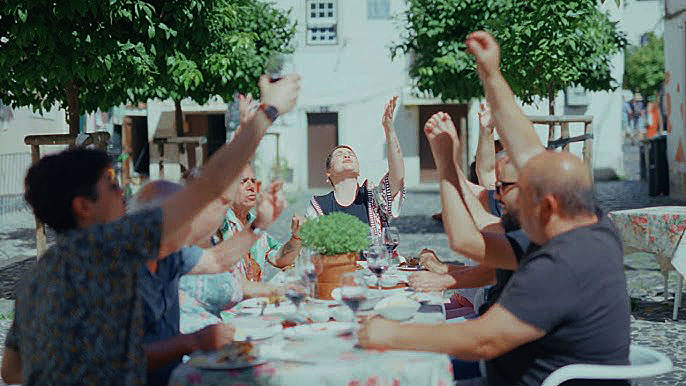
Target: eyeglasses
{"x": 500, "y": 186}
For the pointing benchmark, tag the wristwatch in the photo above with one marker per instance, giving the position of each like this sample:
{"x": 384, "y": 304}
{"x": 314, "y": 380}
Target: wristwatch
{"x": 270, "y": 111}
{"x": 255, "y": 230}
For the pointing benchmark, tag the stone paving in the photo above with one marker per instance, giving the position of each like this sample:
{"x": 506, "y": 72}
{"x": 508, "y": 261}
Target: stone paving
{"x": 651, "y": 316}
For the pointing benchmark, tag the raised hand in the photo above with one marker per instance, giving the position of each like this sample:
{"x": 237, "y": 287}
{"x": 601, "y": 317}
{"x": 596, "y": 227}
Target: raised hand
{"x": 387, "y": 119}
{"x": 296, "y": 221}
{"x": 438, "y": 125}
{"x": 214, "y": 337}
{"x": 281, "y": 94}
{"x": 246, "y": 108}
{"x": 486, "y": 51}
{"x": 486, "y": 121}
{"x": 270, "y": 204}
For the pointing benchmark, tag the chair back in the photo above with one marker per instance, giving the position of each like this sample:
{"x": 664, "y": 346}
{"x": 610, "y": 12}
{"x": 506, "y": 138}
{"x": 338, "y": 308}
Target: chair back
{"x": 644, "y": 363}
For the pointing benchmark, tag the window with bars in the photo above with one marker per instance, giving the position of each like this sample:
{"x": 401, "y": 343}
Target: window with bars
{"x": 378, "y": 9}
{"x": 321, "y": 22}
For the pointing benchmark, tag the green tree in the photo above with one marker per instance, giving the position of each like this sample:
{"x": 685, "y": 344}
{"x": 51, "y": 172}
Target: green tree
{"x": 644, "y": 66}
{"x": 547, "y": 45}
{"x": 82, "y": 54}
{"x": 218, "y": 47}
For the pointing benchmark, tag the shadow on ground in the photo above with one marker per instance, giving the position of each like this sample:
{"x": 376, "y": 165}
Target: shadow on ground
{"x": 654, "y": 311}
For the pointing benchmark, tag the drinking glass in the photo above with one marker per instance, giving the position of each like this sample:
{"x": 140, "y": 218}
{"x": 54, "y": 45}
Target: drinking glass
{"x": 295, "y": 291}
{"x": 306, "y": 268}
{"x": 391, "y": 239}
{"x": 353, "y": 290}
{"x": 377, "y": 261}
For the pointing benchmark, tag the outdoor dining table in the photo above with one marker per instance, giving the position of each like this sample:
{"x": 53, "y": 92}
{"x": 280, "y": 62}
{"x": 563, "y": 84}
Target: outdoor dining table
{"x": 659, "y": 231}
{"x": 335, "y": 361}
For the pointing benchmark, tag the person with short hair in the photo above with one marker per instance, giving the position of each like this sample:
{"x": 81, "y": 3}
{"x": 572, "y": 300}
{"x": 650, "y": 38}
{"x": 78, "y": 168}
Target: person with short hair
{"x": 159, "y": 281}
{"x": 78, "y": 312}
{"x": 373, "y": 205}
{"x": 567, "y": 301}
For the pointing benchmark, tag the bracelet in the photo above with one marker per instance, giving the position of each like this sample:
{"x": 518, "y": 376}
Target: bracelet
{"x": 295, "y": 237}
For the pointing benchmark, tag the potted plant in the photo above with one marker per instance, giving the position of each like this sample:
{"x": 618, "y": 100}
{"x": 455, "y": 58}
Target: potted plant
{"x": 337, "y": 238}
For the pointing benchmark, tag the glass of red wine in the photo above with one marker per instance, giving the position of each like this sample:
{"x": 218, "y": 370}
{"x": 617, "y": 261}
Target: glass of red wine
{"x": 275, "y": 67}
{"x": 377, "y": 261}
{"x": 353, "y": 291}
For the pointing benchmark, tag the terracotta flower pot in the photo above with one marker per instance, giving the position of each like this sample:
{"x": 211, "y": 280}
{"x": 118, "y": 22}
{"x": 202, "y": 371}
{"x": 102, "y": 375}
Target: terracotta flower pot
{"x": 330, "y": 270}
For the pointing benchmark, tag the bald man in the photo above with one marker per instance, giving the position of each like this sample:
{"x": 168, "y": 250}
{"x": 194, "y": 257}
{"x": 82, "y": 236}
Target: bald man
{"x": 158, "y": 280}
{"x": 567, "y": 301}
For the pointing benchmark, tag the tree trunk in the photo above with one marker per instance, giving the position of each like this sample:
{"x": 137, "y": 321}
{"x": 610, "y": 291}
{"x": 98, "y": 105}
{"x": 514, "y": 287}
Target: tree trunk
{"x": 178, "y": 117}
{"x": 72, "y": 90}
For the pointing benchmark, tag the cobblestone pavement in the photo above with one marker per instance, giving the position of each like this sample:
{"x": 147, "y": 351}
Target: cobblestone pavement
{"x": 651, "y": 316}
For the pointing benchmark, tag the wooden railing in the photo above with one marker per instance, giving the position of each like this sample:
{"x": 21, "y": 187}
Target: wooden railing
{"x": 563, "y": 121}
{"x": 99, "y": 139}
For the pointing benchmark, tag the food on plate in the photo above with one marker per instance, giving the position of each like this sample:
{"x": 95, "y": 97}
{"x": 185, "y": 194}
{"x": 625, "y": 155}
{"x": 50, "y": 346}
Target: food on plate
{"x": 275, "y": 299}
{"x": 236, "y": 352}
{"x": 411, "y": 262}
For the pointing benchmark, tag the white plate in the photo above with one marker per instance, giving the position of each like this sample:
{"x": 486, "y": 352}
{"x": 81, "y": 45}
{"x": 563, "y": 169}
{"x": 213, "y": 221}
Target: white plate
{"x": 410, "y": 268}
{"x": 208, "y": 360}
{"x": 254, "y": 328}
{"x": 253, "y": 306}
{"x": 319, "y": 330}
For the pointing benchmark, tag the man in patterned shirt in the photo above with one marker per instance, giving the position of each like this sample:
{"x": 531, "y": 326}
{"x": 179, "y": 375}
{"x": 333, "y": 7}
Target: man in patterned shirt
{"x": 78, "y": 316}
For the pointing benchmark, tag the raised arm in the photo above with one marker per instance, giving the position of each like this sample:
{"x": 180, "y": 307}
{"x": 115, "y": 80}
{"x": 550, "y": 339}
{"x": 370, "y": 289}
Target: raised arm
{"x": 396, "y": 162}
{"x": 225, "y": 165}
{"x": 515, "y": 130}
{"x": 224, "y": 256}
{"x": 485, "y": 150}
{"x": 290, "y": 251}
{"x": 462, "y": 231}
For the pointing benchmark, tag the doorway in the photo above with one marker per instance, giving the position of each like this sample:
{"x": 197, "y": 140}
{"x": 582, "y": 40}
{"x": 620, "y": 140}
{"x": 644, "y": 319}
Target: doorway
{"x": 322, "y": 137}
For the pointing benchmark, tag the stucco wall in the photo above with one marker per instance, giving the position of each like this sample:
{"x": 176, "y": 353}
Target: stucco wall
{"x": 675, "y": 81}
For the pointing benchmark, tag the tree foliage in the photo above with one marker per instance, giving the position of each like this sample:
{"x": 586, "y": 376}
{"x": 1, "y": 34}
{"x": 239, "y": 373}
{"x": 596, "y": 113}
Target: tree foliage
{"x": 644, "y": 66}
{"x": 81, "y": 54}
{"x": 220, "y": 47}
{"x": 86, "y": 54}
{"x": 546, "y": 45}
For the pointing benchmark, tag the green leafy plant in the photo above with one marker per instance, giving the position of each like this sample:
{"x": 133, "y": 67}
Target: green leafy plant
{"x": 644, "y": 66}
{"x": 335, "y": 234}
{"x": 547, "y": 45}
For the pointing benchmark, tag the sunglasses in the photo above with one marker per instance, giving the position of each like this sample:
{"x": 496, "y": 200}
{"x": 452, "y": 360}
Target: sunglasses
{"x": 501, "y": 186}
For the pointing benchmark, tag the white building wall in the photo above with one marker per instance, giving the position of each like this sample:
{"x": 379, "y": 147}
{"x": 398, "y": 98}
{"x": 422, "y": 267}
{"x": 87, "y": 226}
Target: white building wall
{"x": 675, "y": 81}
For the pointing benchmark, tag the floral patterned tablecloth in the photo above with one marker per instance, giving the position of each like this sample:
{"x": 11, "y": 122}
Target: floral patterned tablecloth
{"x": 348, "y": 368}
{"x": 333, "y": 361}
{"x": 656, "y": 230}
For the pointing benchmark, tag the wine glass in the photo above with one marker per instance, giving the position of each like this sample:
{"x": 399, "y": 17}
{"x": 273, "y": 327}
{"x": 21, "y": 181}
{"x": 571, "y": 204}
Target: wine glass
{"x": 377, "y": 261}
{"x": 295, "y": 291}
{"x": 391, "y": 239}
{"x": 306, "y": 268}
{"x": 353, "y": 290}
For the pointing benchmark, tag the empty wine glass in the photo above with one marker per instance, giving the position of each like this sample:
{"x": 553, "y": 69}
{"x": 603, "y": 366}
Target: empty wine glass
{"x": 391, "y": 239}
{"x": 353, "y": 290}
{"x": 306, "y": 268}
{"x": 295, "y": 291}
{"x": 377, "y": 261}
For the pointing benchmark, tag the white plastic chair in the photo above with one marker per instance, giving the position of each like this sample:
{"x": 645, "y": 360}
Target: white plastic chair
{"x": 645, "y": 363}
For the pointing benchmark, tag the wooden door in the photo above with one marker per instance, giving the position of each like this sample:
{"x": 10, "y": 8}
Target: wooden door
{"x": 322, "y": 137}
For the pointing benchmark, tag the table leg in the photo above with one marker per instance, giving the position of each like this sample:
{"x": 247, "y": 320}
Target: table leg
{"x": 665, "y": 275}
{"x": 677, "y": 297}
